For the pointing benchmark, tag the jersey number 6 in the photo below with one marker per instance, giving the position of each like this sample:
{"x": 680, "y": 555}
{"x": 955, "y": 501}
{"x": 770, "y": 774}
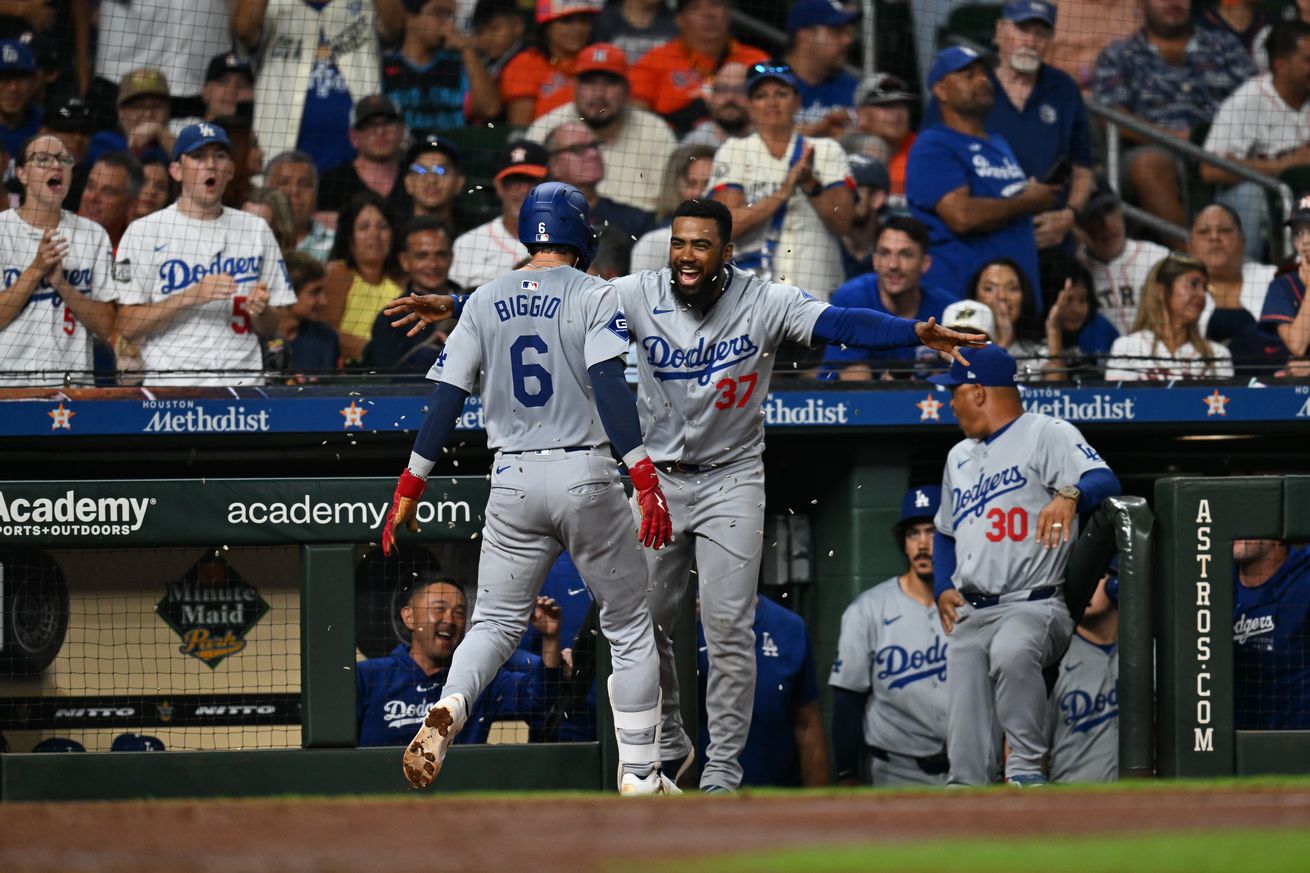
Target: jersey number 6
{"x": 1012, "y": 524}
{"x": 523, "y": 371}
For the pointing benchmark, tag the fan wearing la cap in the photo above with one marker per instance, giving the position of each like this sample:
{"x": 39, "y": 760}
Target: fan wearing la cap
{"x": 493, "y": 249}
{"x": 20, "y": 117}
{"x": 199, "y": 283}
{"x": 965, "y": 183}
{"x": 540, "y": 78}
{"x": 1012, "y": 492}
{"x": 634, "y": 143}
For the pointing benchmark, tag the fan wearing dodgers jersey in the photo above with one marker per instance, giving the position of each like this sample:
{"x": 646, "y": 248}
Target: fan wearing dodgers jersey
{"x": 1011, "y": 494}
{"x": 55, "y": 273}
{"x": 1084, "y": 704}
{"x": 889, "y": 677}
{"x": 706, "y": 335}
{"x": 546, "y": 346}
{"x": 200, "y": 282}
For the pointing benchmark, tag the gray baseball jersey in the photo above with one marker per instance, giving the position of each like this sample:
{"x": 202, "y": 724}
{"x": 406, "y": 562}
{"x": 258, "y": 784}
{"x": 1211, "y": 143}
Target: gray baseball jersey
{"x": 528, "y": 338}
{"x": 1085, "y": 714}
{"x": 992, "y": 492}
{"x": 892, "y": 646}
{"x": 704, "y": 380}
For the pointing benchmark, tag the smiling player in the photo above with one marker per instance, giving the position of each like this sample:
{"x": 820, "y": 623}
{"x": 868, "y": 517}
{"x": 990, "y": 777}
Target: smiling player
{"x": 201, "y": 281}
{"x": 55, "y": 272}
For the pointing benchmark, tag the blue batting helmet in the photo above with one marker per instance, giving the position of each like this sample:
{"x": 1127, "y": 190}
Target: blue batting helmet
{"x": 558, "y": 214}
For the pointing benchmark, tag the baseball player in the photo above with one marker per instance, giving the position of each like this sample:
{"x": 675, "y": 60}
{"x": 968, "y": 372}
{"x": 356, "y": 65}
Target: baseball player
{"x": 547, "y": 344}
{"x": 201, "y": 282}
{"x": 889, "y": 678}
{"x": 54, "y": 274}
{"x": 1271, "y": 635}
{"x": 1084, "y": 708}
{"x": 1011, "y": 492}
{"x": 707, "y": 333}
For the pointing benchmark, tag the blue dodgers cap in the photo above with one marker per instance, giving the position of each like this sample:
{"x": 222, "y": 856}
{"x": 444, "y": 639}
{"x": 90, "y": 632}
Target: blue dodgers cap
{"x": 137, "y": 743}
{"x": 819, "y": 13}
{"x": 990, "y": 366}
{"x": 197, "y": 136}
{"x": 58, "y": 744}
{"x": 920, "y": 501}
{"x": 952, "y": 60}
{"x": 1020, "y": 11}
{"x": 16, "y": 58}
{"x": 758, "y": 74}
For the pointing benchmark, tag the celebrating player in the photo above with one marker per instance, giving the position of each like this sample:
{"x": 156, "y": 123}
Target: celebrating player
{"x": 541, "y": 342}
{"x": 201, "y": 280}
{"x": 55, "y": 268}
{"x": 1011, "y": 491}
{"x": 707, "y": 334}
{"x": 889, "y": 679}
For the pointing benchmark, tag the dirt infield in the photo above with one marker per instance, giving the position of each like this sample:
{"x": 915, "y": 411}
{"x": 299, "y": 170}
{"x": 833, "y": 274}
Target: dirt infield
{"x": 544, "y": 834}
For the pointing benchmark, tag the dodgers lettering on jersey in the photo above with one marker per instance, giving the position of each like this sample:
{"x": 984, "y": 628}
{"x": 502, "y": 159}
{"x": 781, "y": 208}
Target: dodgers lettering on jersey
{"x": 45, "y": 340}
{"x": 1084, "y": 714}
{"x": 992, "y": 493}
{"x": 525, "y": 341}
{"x": 167, "y": 253}
{"x": 704, "y": 380}
{"x": 892, "y": 647}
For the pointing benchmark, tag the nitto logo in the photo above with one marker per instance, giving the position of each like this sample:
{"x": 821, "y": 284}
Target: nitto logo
{"x": 71, "y": 514}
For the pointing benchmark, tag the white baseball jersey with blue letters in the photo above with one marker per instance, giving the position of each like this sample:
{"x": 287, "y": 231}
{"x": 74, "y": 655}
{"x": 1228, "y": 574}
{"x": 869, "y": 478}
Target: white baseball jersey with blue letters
{"x": 892, "y": 647}
{"x": 45, "y": 336}
{"x": 992, "y": 493}
{"x": 525, "y": 341}
{"x": 166, "y": 253}
{"x": 704, "y": 380}
{"x": 1085, "y": 714}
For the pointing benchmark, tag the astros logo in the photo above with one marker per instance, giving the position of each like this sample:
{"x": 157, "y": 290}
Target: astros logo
{"x": 928, "y": 408}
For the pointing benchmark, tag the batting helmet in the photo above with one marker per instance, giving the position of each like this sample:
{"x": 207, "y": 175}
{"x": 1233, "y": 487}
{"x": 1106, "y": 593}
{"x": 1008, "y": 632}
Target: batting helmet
{"x": 558, "y": 214}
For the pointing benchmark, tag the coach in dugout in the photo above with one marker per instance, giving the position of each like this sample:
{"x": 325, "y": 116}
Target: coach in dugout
{"x": 393, "y": 694}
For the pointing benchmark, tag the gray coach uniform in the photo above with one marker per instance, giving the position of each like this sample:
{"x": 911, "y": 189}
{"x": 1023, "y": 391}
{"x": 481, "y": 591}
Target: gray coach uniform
{"x": 1084, "y": 714}
{"x": 892, "y": 648}
{"x": 528, "y": 338}
{"x": 703, "y": 382}
{"x": 1014, "y": 621}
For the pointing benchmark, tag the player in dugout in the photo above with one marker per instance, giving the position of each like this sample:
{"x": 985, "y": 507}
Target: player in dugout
{"x": 393, "y": 693}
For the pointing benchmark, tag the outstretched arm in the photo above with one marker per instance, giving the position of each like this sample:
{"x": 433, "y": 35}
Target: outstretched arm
{"x": 869, "y": 329}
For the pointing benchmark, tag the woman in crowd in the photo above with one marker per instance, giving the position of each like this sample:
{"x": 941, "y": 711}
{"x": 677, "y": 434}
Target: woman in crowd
{"x": 1076, "y": 334}
{"x": 275, "y": 208}
{"x": 1166, "y": 342}
{"x": 358, "y": 280}
{"x": 686, "y": 175}
{"x": 1003, "y": 285}
{"x": 156, "y": 191}
{"x": 540, "y": 78}
{"x": 1237, "y": 287}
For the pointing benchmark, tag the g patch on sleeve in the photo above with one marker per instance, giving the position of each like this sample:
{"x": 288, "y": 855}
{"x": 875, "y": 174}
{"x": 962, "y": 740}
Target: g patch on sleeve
{"x": 619, "y": 326}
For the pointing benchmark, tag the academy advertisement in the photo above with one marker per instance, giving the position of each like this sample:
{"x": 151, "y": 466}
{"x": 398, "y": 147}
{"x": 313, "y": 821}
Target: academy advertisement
{"x": 230, "y": 511}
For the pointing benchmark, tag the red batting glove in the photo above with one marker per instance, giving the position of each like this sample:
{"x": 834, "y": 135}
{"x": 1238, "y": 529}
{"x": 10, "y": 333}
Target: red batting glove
{"x": 404, "y": 509}
{"x": 656, "y": 525}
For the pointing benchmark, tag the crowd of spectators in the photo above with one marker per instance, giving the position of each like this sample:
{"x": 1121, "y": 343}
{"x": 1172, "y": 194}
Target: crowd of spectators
{"x": 347, "y": 122}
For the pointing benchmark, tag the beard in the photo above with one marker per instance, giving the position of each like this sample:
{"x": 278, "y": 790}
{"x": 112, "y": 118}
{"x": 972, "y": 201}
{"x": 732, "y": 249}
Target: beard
{"x": 602, "y": 121}
{"x": 702, "y": 293}
{"x": 733, "y": 123}
{"x": 1026, "y": 61}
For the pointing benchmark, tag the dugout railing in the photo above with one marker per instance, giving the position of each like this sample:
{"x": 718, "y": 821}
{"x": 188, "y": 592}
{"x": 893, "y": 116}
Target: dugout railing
{"x": 162, "y": 513}
{"x": 1199, "y": 519}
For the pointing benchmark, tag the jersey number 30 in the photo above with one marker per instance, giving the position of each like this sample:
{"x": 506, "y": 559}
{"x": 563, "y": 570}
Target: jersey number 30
{"x": 523, "y": 371}
{"x": 1011, "y": 525}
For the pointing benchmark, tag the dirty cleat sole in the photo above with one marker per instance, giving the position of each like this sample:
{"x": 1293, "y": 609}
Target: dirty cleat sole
{"x": 424, "y": 754}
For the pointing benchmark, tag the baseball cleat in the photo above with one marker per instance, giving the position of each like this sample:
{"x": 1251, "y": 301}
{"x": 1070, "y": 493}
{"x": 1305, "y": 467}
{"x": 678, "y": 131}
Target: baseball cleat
{"x": 653, "y": 784}
{"x": 424, "y": 754}
{"x": 1026, "y": 780}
